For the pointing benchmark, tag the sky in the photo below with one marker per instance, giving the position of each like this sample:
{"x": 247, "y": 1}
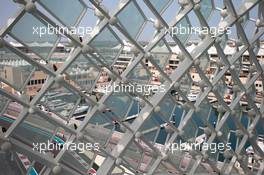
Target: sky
{"x": 8, "y": 9}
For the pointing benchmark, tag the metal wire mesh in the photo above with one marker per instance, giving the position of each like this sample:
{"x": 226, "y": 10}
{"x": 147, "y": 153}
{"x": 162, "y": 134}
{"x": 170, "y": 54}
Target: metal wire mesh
{"x": 135, "y": 144}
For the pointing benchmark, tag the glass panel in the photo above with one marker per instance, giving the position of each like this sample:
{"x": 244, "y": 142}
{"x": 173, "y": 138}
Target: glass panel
{"x": 119, "y": 103}
{"x": 241, "y": 6}
{"x": 204, "y": 112}
{"x": 107, "y": 45}
{"x": 167, "y": 167}
{"x": 95, "y": 60}
{"x": 190, "y": 131}
{"x": 40, "y": 41}
{"x": 167, "y": 107}
{"x": 134, "y": 155}
{"x": 60, "y": 100}
{"x": 250, "y": 29}
{"x": 161, "y": 54}
{"x": 215, "y": 154}
{"x": 224, "y": 39}
{"x": 3, "y": 101}
{"x": 35, "y": 129}
{"x": 186, "y": 84}
{"x": 225, "y": 132}
{"x": 99, "y": 119}
{"x": 106, "y": 128}
{"x": 204, "y": 61}
{"x": 10, "y": 114}
{"x": 150, "y": 130}
{"x": 160, "y": 4}
{"x": 82, "y": 157}
{"x": 140, "y": 74}
{"x": 222, "y": 87}
{"x": 136, "y": 19}
{"x": 185, "y": 26}
{"x": 206, "y": 8}
{"x": 83, "y": 72}
{"x": 72, "y": 10}
{"x": 13, "y": 69}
